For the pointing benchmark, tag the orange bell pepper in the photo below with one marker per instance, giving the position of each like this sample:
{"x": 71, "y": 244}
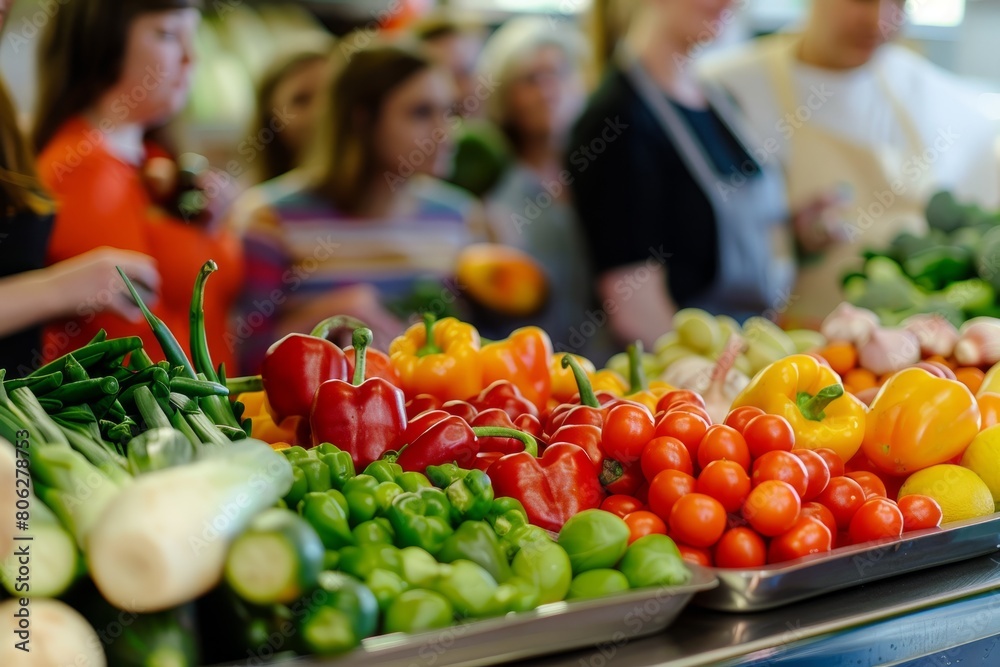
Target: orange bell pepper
{"x": 811, "y": 397}
{"x": 523, "y": 360}
{"x": 918, "y": 420}
{"x": 441, "y": 358}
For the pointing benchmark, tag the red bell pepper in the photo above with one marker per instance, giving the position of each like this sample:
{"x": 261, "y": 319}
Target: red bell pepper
{"x": 530, "y": 424}
{"x": 485, "y": 459}
{"x": 504, "y": 395}
{"x": 417, "y": 425}
{"x": 462, "y": 409}
{"x": 363, "y": 418}
{"x": 421, "y": 403}
{"x": 589, "y": 439}
{"x": 295, "y": 366}
{"x": 499, "y": 419}
{"x": 628, "y": 482}
{"x": 452, "y": 440}
{"x": 377, "y": 365}
{"x": 552, "y": 488}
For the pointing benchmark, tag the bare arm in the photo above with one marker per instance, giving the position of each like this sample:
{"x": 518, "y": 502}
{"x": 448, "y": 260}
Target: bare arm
{"x": 35, "y": 297}
{"x": 637, "y": 301}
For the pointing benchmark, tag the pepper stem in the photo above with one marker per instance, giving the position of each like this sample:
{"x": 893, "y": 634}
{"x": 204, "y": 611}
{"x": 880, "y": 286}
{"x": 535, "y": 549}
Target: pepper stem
{"x": 430, "y": 347}
{"x": 361, "y": 340}
{"x": 530, "y": 444}
{"x": 812, "y": 407}
{"x": 330, "y": 324}
{"x": 611, "y": 472}
{"x": 200, "y": 355}
{"x": 587, "y": 396}
{"x": 636, "y": 371}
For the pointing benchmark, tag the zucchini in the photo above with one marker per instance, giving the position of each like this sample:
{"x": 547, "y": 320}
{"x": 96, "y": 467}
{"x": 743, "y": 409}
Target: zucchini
{"x": 277, "y": 559}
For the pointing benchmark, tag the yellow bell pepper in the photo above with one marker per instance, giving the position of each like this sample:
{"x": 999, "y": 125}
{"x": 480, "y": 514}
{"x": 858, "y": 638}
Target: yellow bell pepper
{"x": 811, "y": 397}
{"x": 441, "y": 358}
{"x": 262, "y": 424}
{"x": 522, "y": 359}
{"x": 991, "y": 383}
{"x": 563, "y": 382}
{"x": 918, "y": 420}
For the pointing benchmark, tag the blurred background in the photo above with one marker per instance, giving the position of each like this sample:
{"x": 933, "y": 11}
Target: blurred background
{"x": 239, "y": 39}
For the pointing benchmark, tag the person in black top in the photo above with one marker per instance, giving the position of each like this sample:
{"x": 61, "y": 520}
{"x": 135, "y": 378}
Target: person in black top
{"x": 680, "y": 207}
{"x": 29, "y": 294}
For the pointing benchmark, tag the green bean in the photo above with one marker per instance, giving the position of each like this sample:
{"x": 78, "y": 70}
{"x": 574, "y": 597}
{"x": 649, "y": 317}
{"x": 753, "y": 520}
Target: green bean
{"x": 171, "y": 348}
{"x": 85, "y": 390}
{"x": 197, "y": 388}
{"x": 39, "y": 385}
{"x": 200, "y": 354}
{"x": 92, "y": 354}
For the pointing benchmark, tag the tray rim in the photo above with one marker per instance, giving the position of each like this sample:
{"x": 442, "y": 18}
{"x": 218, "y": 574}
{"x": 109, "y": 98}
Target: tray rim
{"x": 851, "y": 550}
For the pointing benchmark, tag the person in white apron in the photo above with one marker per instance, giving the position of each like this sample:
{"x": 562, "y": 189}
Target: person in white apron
{"x": 863, "y": 123}
{"x": 677, "y": 210}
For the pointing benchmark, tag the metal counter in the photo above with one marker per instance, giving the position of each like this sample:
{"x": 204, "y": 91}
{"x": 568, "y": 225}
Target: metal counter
{"x": 943, "y": 616}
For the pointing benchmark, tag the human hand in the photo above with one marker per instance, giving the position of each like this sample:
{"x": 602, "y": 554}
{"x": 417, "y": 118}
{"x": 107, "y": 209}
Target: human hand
{"x": 92, "y": 280}
{"x": 822, "y": 223}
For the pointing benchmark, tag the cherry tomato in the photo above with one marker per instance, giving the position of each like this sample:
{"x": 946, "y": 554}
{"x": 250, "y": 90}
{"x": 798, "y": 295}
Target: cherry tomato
{"x": 817, "y": 469}
{"x": 741, "y": 548}
{"x": 842, "y": 496}
{"x": 739, "y": 417}
{"x": 678, "y": 396}
{"x": 782, "y": 466}
{"x": 870, "y": 483}
{"x": 723, "y": 442}
{"x": 697, "y": 520}
{"x": 627, "y": 429}
{"x": 665, "y": 453}
{"x": 687, "y": 427}
{"x": 642, "y": 523}
{"x": 823, "y": 513}
{"x": 768, "y": 433}
{"x": 919, "y": 512}
{"x": 876, "y": 519}
{"x": 621, "y": 505}
{"x": 726, "y": 481}
{"x": 642, "y": 494}
{"x": 695, "y": 555}
{"x": 833, "y": 461}
{"x": 772, "y": 507}
{"x": 666, "y": 488}
{"x": 807, "y": 536}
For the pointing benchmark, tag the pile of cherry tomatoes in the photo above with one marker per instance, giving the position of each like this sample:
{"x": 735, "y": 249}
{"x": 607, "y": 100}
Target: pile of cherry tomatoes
{"x": 741, "y": 495}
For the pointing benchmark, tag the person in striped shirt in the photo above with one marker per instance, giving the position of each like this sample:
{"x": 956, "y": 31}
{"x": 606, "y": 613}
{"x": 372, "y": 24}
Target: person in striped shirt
{"x": 366, "y": 218}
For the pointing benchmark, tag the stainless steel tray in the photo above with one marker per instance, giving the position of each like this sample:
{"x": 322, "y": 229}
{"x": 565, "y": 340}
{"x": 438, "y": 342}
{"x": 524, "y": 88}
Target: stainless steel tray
{"x": 610, "y": 623}
{"x": 776, "y": 585}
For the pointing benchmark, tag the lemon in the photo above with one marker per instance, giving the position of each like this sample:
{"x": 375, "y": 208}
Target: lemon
{"x": 983, "y": 458}
{"x": 959, "y": 491}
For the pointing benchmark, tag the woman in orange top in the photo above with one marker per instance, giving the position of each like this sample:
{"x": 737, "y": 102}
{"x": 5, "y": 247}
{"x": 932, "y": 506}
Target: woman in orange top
{"x": 110, "y": 71}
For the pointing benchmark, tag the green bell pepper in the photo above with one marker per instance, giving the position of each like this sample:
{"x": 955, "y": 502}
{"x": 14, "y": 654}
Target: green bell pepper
{"x": 547, "y": 567}
{"x": 317, "y": 474}
{"x": 331, "y": 559}
{"x": 344, "y": 613}
{"x": 418, "y": 610}
{"x": 361, "y": 560}
{"x": 420, "y": 569}
{"x": 300, "y": 487}
{"x": 375, "y": 531}
{"x": 384, "y": 471}
{"x": 443, "y": 475}
{"x": 385, "y": 493}
{"x": 594, "y": 539}
{"x": 471, "y": 497}
{"x": 418, "y": 521}
{"x": 295, "y": 453}
{"x": 327, "y": 516}
{"x": 654, "y": 560}
{"x": 525, "y": 536}
{"x": 413, "y": 481}
{"x": 514, "y": 595}
{"x": 437, "y": 503}
{"x": 387, "y": 586}
{"x": 360, "y": 494}
{"x": 505, "y": 515}
{"x": 597, "y": 584}
{"x": 340, "y": 464}
{"x": 468, "y": 587}
{"x": 475, "y": 541}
